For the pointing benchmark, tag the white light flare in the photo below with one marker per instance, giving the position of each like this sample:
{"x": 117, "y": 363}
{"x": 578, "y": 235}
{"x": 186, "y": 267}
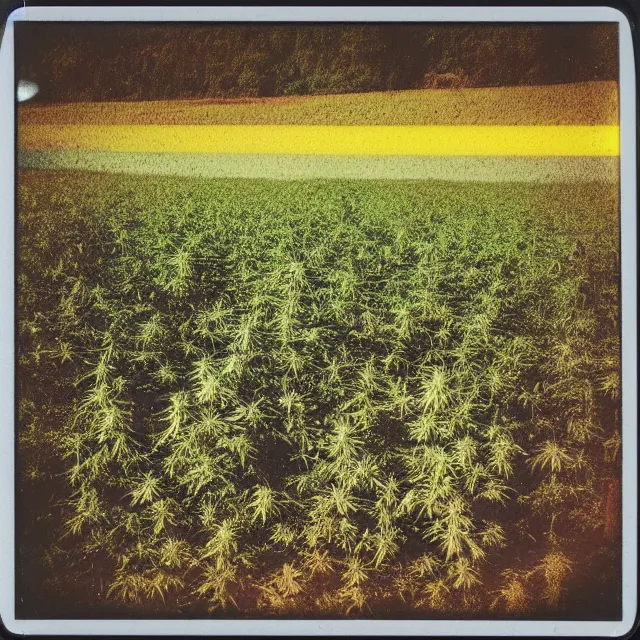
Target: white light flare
{"x": 26, "y": 90}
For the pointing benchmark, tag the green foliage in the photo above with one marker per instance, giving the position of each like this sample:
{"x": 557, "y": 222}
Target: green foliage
{"x": 195, "y": 61}
{"x": 292, "y": 393}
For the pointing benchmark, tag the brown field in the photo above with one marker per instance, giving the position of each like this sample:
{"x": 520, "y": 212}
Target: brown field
{"x": 588, "y": 103}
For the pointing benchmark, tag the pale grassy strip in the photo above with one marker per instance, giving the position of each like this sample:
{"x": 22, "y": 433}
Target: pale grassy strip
{"x": 576, "y": 103}
{"x": 329, "y": 140}
{"x": 296, "y": 167}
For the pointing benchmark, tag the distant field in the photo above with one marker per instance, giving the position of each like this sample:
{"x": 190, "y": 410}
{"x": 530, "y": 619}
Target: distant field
{"x": 304, "y": 167}
{"x": 332, "y": 140}
{"x": 561, "y": 133}
{"x": 591, "y": 103}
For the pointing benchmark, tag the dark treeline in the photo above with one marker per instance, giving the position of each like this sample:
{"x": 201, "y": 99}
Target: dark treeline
{"x": 74, "y": 62}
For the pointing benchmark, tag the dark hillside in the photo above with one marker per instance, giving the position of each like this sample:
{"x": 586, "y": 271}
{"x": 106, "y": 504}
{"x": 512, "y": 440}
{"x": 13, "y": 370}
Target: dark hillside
{"x": 89, "y": 62}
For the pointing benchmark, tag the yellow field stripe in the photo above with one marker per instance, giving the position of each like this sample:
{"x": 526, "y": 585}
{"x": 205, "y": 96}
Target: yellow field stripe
{"x": 476, "y": 140}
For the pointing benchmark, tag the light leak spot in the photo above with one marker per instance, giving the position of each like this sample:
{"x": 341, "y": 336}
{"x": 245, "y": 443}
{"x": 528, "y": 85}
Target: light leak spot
{"x": 26, "y": 90}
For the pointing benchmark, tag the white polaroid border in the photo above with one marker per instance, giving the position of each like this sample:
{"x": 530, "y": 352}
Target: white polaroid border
{"x": 324, "y": 627}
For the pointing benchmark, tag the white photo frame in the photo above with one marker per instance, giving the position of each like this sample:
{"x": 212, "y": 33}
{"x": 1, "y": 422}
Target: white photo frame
{"x": 628, "y": 203}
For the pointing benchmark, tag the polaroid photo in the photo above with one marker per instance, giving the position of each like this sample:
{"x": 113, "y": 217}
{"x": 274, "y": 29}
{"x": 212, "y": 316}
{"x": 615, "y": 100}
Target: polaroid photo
{"x": 318, "y": 321}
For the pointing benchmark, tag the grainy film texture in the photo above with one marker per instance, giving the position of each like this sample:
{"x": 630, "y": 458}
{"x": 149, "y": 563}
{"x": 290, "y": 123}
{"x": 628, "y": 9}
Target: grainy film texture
{"x": 318, "y": 321}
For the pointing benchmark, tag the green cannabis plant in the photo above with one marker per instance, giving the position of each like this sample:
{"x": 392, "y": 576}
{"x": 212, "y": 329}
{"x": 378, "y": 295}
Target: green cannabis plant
{"x": 283, "y": 397}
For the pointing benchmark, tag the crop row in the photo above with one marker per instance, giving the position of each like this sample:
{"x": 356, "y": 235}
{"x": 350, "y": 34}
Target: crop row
{"x": 348, "y": 385}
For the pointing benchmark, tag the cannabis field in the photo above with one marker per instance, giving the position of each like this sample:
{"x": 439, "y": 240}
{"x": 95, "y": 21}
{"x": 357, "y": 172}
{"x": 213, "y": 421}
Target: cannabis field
{"x": 317, "y": 398}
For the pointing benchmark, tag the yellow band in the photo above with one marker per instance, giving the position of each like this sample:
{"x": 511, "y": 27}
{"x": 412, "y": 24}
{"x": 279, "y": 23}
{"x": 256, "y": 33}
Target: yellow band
{"x": 475, "y": 140}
